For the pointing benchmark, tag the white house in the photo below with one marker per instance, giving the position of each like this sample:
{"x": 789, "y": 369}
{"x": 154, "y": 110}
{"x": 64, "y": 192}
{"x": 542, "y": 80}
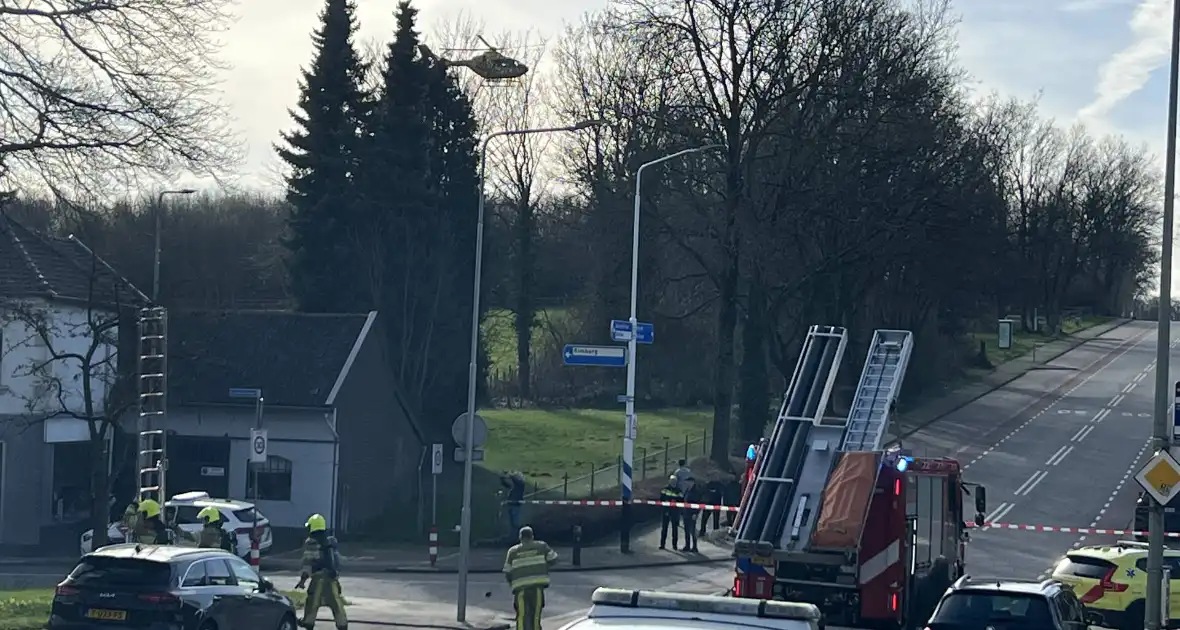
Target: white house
{"x": 58, "y": 302}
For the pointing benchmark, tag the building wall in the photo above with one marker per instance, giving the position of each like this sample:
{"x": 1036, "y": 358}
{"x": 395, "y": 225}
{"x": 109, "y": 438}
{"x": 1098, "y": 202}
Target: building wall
{"x": 23, "y": 347}
{"x": 379, "y": 450}
{"x": 303, "y": 437}
{"x": 25, "y": 480}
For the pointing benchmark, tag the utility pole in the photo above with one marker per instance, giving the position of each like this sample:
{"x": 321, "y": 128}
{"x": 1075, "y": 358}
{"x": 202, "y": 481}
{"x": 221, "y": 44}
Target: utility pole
{"x": 1162, "y": 438}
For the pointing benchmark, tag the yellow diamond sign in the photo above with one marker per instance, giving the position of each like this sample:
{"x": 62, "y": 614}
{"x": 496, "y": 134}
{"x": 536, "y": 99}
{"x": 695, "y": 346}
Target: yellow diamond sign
{"x": 1160, "y": 477}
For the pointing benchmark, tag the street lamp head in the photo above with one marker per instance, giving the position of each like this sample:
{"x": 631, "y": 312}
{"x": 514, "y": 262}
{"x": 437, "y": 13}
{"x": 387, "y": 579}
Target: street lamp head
{"x": 586, "y": 124}
{"x": 186, "y": 191}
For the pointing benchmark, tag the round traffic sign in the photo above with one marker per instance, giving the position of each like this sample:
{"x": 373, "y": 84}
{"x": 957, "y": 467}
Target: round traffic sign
{"x": 259, "y": 445}
{"x": 459, "y": 431}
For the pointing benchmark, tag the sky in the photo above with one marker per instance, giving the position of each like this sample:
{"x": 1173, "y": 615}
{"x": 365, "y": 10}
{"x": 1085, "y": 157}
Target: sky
{"x": 1101, "y": 62}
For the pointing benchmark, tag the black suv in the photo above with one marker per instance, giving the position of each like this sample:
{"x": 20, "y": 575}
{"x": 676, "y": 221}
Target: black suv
{"x": 987, "y": 604}
{"x": 161, "y": 587}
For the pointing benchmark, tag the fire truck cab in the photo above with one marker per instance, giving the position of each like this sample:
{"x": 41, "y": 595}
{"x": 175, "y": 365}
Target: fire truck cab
{"x": 834, "y": 517}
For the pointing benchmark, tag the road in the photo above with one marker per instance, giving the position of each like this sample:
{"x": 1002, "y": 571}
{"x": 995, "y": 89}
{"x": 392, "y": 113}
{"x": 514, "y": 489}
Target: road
{"x": 1056, "y": 447}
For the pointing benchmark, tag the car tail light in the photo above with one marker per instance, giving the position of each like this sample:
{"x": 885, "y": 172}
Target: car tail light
{"x": 737, "y": 586}
{"x": 893, "y": 602}
{"x": 1106, "y": 585}
{"x": 65, "y": 591}
{"x": 159, "y": 598}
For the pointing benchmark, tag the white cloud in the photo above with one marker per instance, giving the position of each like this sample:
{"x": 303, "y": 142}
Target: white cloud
{"x": 1130, "y": 68}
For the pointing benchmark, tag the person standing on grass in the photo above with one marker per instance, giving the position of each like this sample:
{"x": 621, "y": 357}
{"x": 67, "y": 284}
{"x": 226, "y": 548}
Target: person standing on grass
{"x": 514, "y": 483}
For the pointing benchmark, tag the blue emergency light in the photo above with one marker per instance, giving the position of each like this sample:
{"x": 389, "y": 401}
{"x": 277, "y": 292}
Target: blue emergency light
{"x": 903, "y": 463}
{"x": 751, "y": 453}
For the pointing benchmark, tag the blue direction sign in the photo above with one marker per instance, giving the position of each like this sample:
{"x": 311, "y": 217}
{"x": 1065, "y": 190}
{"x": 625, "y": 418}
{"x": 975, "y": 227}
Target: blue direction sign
{"x": 245, "y": 392}
{"x": 602, "y": 356}
{"x": 620, "y": 330}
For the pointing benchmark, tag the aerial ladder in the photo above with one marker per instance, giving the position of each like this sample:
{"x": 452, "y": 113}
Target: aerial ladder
{"x": 880, "y": 383}
{"x": 152, "y": 461}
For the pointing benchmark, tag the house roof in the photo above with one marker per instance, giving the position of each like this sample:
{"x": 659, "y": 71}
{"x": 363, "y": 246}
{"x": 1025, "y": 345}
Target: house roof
{"x": 34, "y": 264}
{"x": 296, "y": 359}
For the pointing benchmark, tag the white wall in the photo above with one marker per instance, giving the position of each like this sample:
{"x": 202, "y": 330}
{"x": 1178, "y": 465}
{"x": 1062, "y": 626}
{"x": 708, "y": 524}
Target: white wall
{"x": 23, "y": 350}
{"x": 300, "y": 436}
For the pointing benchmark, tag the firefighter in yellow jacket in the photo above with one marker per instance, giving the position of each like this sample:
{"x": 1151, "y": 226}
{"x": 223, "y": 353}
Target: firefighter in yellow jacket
{"x": 321, "y": 565}
{"x": 149, "y": 528}
{"x": 213, "y": 535}
{"x": 526, "y": 568}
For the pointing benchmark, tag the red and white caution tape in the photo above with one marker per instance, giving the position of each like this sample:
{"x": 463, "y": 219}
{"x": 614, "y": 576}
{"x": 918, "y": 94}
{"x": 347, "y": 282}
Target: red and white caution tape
{"x": 1068, "y": 530}
{"x": 617, "y": 503}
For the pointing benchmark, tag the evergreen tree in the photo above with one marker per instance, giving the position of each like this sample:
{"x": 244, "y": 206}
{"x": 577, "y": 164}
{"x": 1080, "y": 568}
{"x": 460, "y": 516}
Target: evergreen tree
{"x": 322, "y": 154}
{"x": 419, "y": 187}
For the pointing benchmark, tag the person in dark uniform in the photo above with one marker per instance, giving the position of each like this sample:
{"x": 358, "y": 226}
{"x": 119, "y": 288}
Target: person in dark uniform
{"x": 670, "y": 515}
{"x": 732, "y": 497}
{"x": 690, "y": 518}
{"x": 714, "y": 495}
{"x": 929, "y": 590}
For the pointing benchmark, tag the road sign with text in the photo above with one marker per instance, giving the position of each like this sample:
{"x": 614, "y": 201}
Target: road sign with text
{"x": 599, "y": 356}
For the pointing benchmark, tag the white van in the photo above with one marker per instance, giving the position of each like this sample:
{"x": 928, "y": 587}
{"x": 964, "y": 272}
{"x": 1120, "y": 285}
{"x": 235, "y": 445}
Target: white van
{"x": 655, "y": 610}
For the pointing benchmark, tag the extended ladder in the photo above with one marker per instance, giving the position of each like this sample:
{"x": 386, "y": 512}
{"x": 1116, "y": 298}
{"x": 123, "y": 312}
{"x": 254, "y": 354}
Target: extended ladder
{"x": 152, "y": 461}
{"x": 880, "y": 382}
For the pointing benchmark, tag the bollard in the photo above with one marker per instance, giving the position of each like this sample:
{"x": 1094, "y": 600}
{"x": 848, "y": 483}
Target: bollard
{"x": 433, "y": 545}
{"x": 255, "y": 556}
{"x": 577, "y": 552}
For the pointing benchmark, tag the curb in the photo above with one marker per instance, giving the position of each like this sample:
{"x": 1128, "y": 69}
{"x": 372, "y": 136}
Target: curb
{"x": 499, "y": 625}
{"x": 1006, "y": 382}
{"x": 565, "y": 568}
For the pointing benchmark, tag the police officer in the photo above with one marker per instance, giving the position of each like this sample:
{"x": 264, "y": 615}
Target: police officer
{"x": 213, "y": 535}
{"x": 150, "y": 528}
{"x": 320, "y": 564}
{"x": 670, "y": 515}
{"x": 526, "y": 567}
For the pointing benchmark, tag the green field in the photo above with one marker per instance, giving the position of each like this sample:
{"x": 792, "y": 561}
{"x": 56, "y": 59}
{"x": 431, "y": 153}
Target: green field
{"x": 1024, "y": 343}
{"x": 499, "y": 333}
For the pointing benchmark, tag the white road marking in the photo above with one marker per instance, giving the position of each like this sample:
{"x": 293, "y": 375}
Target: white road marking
{"x": 1032, "y": 482}
{"x": 1066, "y": 450}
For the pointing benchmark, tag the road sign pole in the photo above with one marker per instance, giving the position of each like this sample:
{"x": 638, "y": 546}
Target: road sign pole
{"x": 255, "y": 556}
{"x": 1162, "y": 439}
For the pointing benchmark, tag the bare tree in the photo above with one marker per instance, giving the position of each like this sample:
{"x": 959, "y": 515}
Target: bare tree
{"x": 74, "y": 372}
{"x": 95, "y": 94}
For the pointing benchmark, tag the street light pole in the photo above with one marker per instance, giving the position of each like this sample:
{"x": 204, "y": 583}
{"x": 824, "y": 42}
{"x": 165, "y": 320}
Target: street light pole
{"x": 1162, "y": 438}
{"x": 632, "y": 423}
{"x": 159, "y": 210}
{"x": 472, "y": 370}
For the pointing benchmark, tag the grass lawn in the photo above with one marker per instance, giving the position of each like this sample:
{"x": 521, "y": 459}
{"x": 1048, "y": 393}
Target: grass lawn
{"x": 29, "y": 609}
{"x": 499, "y": 332}
{"x": 1024, "y": 343}
{"x": 547, "y": 444}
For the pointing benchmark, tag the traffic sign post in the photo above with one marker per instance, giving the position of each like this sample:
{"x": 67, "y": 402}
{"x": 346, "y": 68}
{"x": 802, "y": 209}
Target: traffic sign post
{"x": 1160, "y": 477}
{"x": 1176, "y": 418}
{"x": 595, "y": 356}
{"x": 436, "y": 465}
{"x": 620, "y": 330}
{"x": 259, "y": 445}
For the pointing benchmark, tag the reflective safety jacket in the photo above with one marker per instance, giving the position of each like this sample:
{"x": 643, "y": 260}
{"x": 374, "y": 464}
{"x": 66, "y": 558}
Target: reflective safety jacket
{"x": 527, "y": 565}
{"x": 319, "y": 556}
{"x": 214, "y": 537}
{"x": 671, "y": 494}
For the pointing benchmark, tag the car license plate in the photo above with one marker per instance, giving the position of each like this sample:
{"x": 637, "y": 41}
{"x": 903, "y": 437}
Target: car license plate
{"x": 763, "y": 561}
{"x": 108, "y": 615}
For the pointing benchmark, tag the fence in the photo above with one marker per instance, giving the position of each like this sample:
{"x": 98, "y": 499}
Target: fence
{"x": 657, "y": 464}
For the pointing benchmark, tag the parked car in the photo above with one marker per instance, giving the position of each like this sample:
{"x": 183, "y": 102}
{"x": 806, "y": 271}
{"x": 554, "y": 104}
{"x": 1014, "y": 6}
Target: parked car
{"x": 986, "y": 603}
{"x": 164, "y": 586}
{"x": 237, "y": 517}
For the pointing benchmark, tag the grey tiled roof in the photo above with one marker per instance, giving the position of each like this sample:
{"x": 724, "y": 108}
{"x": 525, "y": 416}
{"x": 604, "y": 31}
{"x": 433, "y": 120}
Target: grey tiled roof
{"x": 33, "y": 264}
{"x": 294, "y": 358}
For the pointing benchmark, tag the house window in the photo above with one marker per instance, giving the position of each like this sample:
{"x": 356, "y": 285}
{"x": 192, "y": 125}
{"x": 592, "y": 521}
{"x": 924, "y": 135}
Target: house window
{"x": 274, "y": 479}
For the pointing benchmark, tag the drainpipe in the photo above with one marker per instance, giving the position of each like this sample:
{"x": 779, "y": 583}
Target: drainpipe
{"x": 331, "y": 421}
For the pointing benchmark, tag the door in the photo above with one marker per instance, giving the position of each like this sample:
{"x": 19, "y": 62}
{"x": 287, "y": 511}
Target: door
{"x": 266, "y": 609}
{"x": 228, "y": 605}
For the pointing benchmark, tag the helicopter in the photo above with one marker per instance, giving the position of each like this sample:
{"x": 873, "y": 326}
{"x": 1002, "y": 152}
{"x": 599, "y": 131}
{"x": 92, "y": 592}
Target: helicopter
{"x": 489, "y": 65}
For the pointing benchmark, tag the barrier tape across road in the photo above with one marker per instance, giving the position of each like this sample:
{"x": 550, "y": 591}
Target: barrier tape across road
{"x": 1046, "y": 529}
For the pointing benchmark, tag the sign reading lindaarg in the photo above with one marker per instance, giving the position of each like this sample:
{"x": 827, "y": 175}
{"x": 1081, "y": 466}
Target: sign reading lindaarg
{"x": 1160, "y": 477}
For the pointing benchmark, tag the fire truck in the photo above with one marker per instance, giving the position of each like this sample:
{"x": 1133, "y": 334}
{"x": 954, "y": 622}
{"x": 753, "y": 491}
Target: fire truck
{"x": 835, "y": 517}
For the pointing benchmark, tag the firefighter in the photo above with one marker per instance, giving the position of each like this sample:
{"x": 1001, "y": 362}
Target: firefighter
{"x": 213, "y": 535}
{"x": 670, "y": 515}
{"x": 150, "y": 529}
{"x": 526, "y": 567}
{"x": 321, "y": 566}
{"x": 130, "y": 519}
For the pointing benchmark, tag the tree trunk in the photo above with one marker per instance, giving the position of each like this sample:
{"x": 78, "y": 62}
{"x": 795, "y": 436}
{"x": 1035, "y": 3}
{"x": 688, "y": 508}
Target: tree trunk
{"x": 100, "y": 491}
{"x": 723, "y": 378}
{"x": 525, "y": 306}
{"x": 755, "y": 393}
